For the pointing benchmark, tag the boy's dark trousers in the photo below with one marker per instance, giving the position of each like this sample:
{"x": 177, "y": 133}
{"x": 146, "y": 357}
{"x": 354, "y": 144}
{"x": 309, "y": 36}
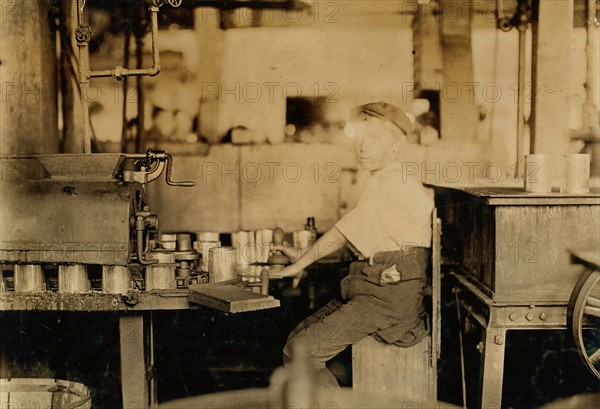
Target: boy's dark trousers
{"x": 392, "y": 312}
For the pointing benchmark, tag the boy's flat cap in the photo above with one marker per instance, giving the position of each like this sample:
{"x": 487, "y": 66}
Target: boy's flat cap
{"x": 386, "y": 111}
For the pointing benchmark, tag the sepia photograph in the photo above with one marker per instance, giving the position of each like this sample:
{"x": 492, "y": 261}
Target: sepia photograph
{"x": 300, "y": 204}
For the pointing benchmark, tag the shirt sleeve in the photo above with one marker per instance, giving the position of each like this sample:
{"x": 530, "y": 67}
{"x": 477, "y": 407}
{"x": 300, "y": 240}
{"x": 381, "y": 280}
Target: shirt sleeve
{"x": 364, "y": 226}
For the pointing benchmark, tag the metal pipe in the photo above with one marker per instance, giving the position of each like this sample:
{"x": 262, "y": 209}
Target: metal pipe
{"x": 140, "y": 224}
{"x": 521, "y": 104}
{"x": 83, "y": 33}
{"x": 522, "y": 27}
{"x": 461, "y": 346}
{"x": 139, "y": 60}
{"x": 140, "y": 249}
{"x": 120, "y": 72}
{"x": 84, "y": 78}
{"x": 125, "y": 84}
{"x": 124, "y": 124}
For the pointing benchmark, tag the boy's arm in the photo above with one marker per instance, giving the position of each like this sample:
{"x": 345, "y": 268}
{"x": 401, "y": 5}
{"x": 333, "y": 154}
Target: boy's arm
{"x": 327, "y": 244}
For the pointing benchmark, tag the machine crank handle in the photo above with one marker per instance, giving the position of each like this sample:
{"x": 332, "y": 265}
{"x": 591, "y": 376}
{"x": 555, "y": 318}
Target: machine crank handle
{"x": 170, "y": 182}
{"x": 156, "y": 161}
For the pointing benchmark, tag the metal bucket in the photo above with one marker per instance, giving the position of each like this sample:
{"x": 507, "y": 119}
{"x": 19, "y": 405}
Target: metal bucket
{"x": 43, "y": 393}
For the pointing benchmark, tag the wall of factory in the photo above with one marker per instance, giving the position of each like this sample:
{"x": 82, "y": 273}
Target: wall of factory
{"x": 263, "y": 66}
{"x": 260, "y": 66}
{"x": 254, "y": 187}
{"x": 280, "y": 184}
{"x": 495, "y": 57}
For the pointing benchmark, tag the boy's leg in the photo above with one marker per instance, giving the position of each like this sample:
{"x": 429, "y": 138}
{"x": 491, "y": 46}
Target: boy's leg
{"x": 330, "y": 334}
{"x": 322, "y": 312}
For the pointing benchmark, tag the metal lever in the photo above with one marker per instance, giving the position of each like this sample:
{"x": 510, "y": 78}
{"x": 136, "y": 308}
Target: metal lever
{"x": 151, "y": 157}
{"x": 186, "y": 183}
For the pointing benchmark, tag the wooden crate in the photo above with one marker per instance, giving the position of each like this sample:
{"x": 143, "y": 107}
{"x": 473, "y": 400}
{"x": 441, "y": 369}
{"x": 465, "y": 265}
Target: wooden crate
{"x": 381, "y": 368}
{"x": 514, "y": 245}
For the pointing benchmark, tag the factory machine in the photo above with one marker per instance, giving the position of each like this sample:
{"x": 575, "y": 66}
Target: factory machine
{"x": 75, "y": 211}
{"x": 77, "y": 234}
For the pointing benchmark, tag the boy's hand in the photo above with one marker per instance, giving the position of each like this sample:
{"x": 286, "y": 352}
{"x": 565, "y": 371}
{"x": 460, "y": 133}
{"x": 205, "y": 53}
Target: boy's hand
{"x": 291, "y": 252}
{"x": 298, "y": 278}
{"x": 290, "y": 271}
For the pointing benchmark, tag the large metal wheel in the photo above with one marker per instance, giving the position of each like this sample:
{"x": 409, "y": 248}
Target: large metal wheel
{"x": 583, "y": 320}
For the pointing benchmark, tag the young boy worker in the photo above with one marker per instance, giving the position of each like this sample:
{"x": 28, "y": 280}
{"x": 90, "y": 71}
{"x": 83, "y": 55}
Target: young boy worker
{"x": 390, "y": 230}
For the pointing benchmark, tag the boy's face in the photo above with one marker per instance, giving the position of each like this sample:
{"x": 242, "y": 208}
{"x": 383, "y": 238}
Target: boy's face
{"x": 376, "y": 141}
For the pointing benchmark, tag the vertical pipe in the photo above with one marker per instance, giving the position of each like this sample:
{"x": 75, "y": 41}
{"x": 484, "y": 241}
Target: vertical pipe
{"x": 139, "y": 57}
{"x": 84, "y": 81}
{"x": 125, "y": 86}
{"x": 139, "y": 146}
{"x": 521, "y": 102}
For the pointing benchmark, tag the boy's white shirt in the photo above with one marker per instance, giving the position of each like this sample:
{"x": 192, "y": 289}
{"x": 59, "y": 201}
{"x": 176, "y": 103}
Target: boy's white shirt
{"x": 393, "y": 212}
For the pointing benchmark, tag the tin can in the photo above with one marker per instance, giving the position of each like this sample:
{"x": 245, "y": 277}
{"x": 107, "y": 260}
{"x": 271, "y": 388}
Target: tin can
{"x": 116, "y": 279}
{"x": 575, "y": 173}
{"x": 203, "y": 247}
{"x": 207, "y": 236}
{"x": 29, "y": 278}
{"x": 73, "y": 279}
{"x": 161, "y": 276}
{"x": 222, "y": 264}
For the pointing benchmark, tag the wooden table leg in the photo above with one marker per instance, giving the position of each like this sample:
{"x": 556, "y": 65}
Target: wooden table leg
{"x": 134, "y": 385}
{"x": 492, "y": 368}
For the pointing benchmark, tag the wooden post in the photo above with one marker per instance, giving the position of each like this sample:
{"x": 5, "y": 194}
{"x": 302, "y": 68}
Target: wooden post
{"x": 459, "y": 115}
{"x": 550, "y": 75}
{"x": 133, "y": 362}
{"x": 29, "y": 107}
{"x": 210, "y": 38}
{"x": 428, "y": 49}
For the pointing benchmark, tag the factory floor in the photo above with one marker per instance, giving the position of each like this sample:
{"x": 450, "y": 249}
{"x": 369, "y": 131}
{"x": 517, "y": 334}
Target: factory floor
{"x": 202, "y": 351}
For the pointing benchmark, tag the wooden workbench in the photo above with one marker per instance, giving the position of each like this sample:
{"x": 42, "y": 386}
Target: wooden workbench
{"x": 138, "y": 383}
{"x": 138, "y": 380}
